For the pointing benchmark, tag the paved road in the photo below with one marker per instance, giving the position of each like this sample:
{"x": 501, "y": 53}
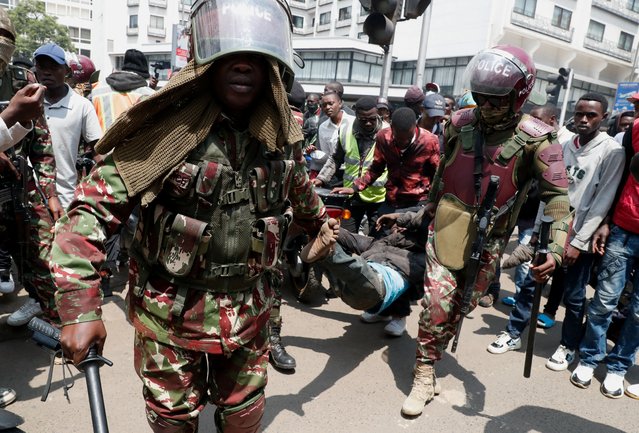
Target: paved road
{"x": 350, "y": 379}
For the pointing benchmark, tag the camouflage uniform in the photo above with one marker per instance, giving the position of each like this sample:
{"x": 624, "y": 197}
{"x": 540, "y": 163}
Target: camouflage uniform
{"x": 184, "y": 325}
{"x": 38, "y": 149}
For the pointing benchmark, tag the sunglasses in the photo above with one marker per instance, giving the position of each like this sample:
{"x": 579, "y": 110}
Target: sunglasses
{"x": 494, "y": 101}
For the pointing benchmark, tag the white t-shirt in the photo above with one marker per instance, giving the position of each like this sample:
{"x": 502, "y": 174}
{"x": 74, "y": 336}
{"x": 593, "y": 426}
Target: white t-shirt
{"x": 71, "y": 118}
{"x": 327, "y": 135}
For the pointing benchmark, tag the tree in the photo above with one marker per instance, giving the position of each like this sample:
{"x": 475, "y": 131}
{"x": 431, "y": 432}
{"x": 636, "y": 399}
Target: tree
{"x": 35, "y": 28}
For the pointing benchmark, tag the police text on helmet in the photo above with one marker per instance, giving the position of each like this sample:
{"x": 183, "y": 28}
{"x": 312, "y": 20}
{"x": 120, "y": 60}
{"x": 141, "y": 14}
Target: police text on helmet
{"x": 496, "y": 67}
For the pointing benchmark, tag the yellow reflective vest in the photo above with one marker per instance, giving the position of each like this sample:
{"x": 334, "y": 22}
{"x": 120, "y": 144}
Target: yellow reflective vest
{"x": 354, "y": 168}
{"x": 109, "y": 103}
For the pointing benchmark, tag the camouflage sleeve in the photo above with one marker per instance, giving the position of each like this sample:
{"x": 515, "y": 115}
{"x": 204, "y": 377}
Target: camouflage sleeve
{"x": 100, "y": 206}
{"x": 41, "y": 156}
{"x": 308, "y": 210}
{"x": 549, "y": 169}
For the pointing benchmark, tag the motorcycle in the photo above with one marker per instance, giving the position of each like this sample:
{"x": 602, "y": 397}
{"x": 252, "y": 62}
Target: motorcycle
{"x": 305, "y": 278}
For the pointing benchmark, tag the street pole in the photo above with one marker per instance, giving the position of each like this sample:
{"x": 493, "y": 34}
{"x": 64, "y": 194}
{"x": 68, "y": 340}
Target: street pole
{"x": 386, "y": 71}
{"x": 564, "y": 106}
{"x": 423, "y": 44}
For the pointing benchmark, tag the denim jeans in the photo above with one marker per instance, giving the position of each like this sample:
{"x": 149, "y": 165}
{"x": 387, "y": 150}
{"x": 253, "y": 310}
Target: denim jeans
{"x": 575, "y": 279}
{"x": 622, "y": 250}
{"x": 521, "y": 271}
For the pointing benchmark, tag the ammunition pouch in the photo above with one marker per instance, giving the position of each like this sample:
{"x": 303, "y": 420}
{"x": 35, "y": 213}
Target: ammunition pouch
{"x": 454, "y": 232}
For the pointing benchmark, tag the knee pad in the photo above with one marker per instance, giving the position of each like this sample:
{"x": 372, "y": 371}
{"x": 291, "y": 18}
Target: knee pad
{"x": 164, "y": 425}
{"x": 243, "y": 418}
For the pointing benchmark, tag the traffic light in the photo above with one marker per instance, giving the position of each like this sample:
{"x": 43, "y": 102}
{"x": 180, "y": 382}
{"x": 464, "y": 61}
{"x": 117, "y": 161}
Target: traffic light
{"x": 556, "y": 84}
{"x": 380, "y": 23}
{"x": 415, "y": 8}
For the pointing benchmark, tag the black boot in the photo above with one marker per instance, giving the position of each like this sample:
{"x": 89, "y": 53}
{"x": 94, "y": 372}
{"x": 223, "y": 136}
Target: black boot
{"x": 278, "y": 355}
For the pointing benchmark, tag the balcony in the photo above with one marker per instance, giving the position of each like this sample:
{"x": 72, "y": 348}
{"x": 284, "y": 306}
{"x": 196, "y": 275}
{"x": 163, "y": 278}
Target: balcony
{"x": 158, "y": 3}
{"x": 302, "y": 31}
{"x": 154, "y": 31}
{"x": 541, "y": 25}
{"x": 343, "y": 23}
{"x": 618, "y": 7}
{"x": 133, "y": 2}
{"x": 132, "y": 31}
{"x": 609, "y": 48}
{"x": 184, "y": 8}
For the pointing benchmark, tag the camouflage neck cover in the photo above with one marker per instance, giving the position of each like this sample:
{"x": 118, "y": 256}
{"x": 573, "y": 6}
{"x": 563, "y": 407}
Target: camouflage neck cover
{"x": 7, "y": 47}
{"x": 156, "y": 134}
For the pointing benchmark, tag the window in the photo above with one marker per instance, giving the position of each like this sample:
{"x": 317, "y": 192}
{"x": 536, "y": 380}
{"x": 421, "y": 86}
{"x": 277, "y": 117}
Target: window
{"x": 625, "y": 41}
{"x": 85, "y": 52}
{"x": 526, "y": 7}
{"x": 561, "y": 18}
{"x": 363, "y": 12}
{"x": 325, "y": 18}
{"x": 633, "y": 5}
{"x": 595, "y": 31}
{"x": 156, "y": 22}
{"x": 298, "y": 22}
{"x": 80, "y": 35}
{"x": 133, "y": 21}
{"x": 345, "y": 14}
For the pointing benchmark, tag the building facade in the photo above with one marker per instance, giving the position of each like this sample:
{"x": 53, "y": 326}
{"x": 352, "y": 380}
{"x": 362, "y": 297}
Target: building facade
{"x": 596, "y": 38}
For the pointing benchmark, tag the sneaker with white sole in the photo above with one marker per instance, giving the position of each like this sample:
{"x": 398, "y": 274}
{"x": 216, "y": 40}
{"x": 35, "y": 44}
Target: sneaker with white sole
{"x": 7, "y": 396}
{"x": 504, "y": 343}
{"x": 632, "y": 391}
{"x": 6, "y": 281}
{"x": 561, "y": 359}
{"x": 22, "y": 315}
{"x": 396, "y": 327}
{"x": 367, "y": 317}
{"x": 582, "y": 376}
{"x": 612, "y": 386}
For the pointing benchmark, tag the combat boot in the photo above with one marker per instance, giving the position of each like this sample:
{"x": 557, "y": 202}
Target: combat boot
{"x": 278, "y": 354}
{"x": 423, "y": 390}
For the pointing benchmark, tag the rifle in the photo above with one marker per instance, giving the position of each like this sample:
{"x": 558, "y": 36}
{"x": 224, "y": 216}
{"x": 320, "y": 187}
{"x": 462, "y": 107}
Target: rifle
{"x": 21, "y": 213}
{"x": 540, "y": 257}
{"x": 484, "y": 220}
{"x": 48, "y": 336}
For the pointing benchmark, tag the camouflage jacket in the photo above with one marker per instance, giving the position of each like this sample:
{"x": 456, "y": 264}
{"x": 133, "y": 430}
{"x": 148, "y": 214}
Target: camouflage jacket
{"x": 210, "y": 321}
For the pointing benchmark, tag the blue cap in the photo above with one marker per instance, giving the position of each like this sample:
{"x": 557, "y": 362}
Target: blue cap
{"x": 52, "y": 51}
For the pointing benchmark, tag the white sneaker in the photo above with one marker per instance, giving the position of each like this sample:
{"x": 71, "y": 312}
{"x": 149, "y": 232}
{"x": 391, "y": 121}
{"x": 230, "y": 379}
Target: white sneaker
{"x": 612, "y": 386}
{"x": 396, "y": 327}
{"x": 367, "y": 317}
{"x": 6, "y": 282}
{"x": 632, "y": 391}
{"x": 7, "y": 396}
{"x": 582, "y": 376}
{"x": 561, "y": 359}
{"x": 22, "y": 315}
{"x": 504, "y": 343}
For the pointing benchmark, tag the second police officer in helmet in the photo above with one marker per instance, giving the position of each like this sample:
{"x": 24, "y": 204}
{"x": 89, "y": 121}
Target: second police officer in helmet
{"x": 207, "y": 159}
{"x": 493, "y": 139}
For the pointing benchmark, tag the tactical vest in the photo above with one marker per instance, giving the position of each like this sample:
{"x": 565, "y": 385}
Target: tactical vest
{"x": 455, "y": 226}
{"x": 109, "y": 104}
{"x": 354, "y": 167}
{"x": 213, "y": 228}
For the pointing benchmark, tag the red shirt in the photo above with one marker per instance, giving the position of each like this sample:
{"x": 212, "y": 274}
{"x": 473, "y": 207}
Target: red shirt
{"x": 409, "y": 172}
{"x": 626, "y": 213}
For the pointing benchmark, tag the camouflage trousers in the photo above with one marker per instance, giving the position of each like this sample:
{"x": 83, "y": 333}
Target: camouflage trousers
{"x": 178, "y": 382}
{"x": 36, "y": 276}
{"x": 443, "y": 291}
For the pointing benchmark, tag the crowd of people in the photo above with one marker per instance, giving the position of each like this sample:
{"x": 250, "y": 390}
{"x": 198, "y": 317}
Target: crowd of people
{"x": 437, "y": 187}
